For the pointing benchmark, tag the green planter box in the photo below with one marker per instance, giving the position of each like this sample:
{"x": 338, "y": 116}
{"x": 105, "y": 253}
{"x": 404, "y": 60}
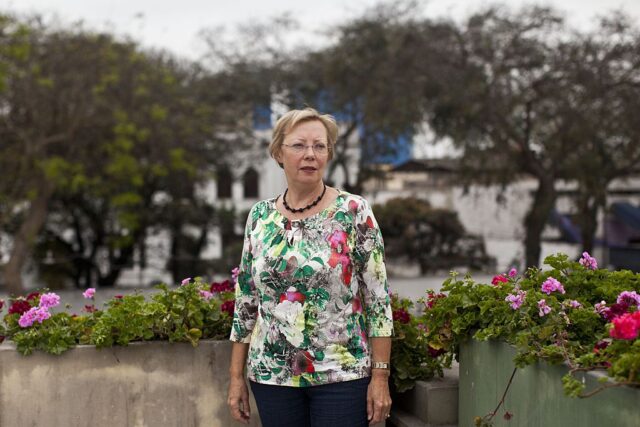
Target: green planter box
{"x": 536, "y": 397}
{"x": 154, "y": 384}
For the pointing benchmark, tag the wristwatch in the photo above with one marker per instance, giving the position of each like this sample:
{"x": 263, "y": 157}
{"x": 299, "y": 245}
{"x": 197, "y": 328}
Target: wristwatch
{"x": 380, "y": 365}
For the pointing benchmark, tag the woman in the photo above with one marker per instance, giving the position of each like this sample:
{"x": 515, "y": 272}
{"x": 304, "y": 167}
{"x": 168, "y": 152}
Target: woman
{"x": 312, "y": 313}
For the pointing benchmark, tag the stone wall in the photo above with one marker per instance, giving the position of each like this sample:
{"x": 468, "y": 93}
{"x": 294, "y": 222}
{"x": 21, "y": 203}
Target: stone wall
{"x": 150, "y": 384}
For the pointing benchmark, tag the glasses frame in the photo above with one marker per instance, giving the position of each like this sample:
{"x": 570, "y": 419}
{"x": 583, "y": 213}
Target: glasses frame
{"x": 306, "y": 147}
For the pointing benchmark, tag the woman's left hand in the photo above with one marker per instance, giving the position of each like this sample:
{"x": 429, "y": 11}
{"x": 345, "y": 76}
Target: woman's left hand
{"x": 378, "y": 397}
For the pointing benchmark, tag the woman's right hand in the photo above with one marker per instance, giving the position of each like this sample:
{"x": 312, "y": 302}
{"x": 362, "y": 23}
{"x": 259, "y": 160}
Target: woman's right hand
{"x": 238, "y": 399}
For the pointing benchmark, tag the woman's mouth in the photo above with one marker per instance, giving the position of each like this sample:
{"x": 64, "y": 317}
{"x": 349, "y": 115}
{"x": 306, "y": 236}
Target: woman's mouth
{"x": 308, "y": 169}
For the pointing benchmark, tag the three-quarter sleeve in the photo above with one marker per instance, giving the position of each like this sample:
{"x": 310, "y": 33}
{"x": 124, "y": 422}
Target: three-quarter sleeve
{"x": 372, "y": 273}
{"x": 246, "y": 302}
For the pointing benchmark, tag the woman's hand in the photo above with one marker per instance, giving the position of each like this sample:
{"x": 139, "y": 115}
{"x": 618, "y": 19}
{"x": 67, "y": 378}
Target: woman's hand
{"x": 238, "y": 399}
{"x": 378, "y": 397}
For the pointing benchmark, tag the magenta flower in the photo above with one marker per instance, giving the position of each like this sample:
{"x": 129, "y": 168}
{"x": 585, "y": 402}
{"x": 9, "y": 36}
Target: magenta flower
{"x": 1, "y": 303}
{"x": 89, "y": 293}
{"x": 552, "y": 285}
{"x": 543, "y": 308}
{"x": 587, "y": 261}
{"x": 626, "y": 327}
{"x": 497, "y": 280}
{"x": 629, "y": 298}
{"x": 206, "y": 295}
{"x": 49, "y": 300}
{"x": 516, "y": 300}
{"x": 513, "y": 272}
{"x": 185, "y": 281}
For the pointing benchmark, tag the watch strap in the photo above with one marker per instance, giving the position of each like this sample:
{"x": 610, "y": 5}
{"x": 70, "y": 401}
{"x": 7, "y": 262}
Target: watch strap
{"x": 380, "y": 365}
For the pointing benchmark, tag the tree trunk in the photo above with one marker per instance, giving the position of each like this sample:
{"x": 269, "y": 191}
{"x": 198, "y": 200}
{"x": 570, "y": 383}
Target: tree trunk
{"x": 588, "y": 207}
{"x": 24, "y": 239}
{"x": 536, "y": 219}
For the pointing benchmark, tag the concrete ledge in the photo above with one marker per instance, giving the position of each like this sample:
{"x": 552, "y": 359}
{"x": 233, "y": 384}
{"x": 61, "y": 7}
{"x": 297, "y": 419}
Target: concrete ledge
{"x": 152, "y": 384}
{"x": 433, "y": 403}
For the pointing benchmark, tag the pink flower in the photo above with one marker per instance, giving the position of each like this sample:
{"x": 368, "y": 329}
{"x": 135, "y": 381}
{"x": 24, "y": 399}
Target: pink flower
{"x": 225, "y": 286}
{"x": 574, "y": 304}
{"x": 234, "y": 274}
{"x": 27, "y": 318}
{"x": 516, "y": 300}
{"x": 89, "y": 293}
{"x": 513, "y": 272}
{"x": 49, "y": 300}
{"x": 615, "y": 310}
{"x": 435, "y": 352}
{"x": 19, "y": 306}
{"x": 33, "y": 295}
{"x": 587, "y": 261}
{"x": 600, "y": 307}
{"x": 401, "y": 315}
{"x": 543, "y": 308}
{"x": 1, "y": 303}
{"x": 90, "y": 308}
{"x": 228, "y": 307}
{"x": 551, "y": 285}
{"x": 497, "y": 280}
{"x": 629, "y": 298}
{"x": 626, "y": 327}
{"x": 206, "y": 295}
{"x": 35, "y": 314}
{"x": 185, "y": 281}
{"x": 432, "y": 297}
{"x": 41, "y": 314}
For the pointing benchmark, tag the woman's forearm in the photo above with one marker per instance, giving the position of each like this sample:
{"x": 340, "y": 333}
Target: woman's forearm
{"x": 239, "y": 352}
{"x": 380, "y": 352}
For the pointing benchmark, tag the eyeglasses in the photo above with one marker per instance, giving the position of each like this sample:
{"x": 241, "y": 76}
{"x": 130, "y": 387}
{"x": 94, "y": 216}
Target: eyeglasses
{"x": 299, "y": 148}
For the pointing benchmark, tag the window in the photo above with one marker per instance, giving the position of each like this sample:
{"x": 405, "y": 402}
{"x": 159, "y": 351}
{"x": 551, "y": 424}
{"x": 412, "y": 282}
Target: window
{"x": 224, "y": 183}
{"x": 250, "y": 182}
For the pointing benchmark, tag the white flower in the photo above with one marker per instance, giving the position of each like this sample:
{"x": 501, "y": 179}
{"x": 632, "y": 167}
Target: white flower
{"x": 290, "y": 315}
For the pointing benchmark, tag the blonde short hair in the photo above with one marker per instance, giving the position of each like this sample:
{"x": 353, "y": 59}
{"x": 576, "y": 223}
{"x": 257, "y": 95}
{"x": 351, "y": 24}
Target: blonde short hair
{"x": 293, "y": 118}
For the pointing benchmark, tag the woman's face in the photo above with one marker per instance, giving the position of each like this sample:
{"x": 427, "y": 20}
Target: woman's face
{"x": 306, "y": 166}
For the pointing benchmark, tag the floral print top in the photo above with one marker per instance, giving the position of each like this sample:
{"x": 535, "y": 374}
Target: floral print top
{"x": 310, "y": 292}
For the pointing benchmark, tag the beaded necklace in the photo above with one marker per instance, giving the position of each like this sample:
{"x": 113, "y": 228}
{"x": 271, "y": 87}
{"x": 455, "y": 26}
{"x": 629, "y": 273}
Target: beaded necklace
{"x": 309, "y": 206}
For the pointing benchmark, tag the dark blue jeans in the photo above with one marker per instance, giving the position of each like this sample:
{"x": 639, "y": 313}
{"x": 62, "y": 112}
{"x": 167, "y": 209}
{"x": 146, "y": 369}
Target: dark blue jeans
{"x": 342, "y": 404}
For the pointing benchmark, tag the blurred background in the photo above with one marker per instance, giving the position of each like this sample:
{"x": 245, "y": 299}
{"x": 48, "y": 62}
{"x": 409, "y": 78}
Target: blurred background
{"x": 134, "y": 135}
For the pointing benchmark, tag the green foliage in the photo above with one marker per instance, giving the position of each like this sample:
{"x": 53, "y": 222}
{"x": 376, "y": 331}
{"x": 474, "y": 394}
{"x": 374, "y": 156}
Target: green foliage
{"x": 566, "y": 334}
{"x": 179, "y": 314}
{"x": 412, "y": 359}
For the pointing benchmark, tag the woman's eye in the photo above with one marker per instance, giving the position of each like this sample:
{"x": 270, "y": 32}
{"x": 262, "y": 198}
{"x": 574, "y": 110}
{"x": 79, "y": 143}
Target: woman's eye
{"x": 298, "y": 146}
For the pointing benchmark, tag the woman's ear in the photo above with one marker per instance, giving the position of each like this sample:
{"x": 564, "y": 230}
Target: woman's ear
{"x": 278, "y": 157}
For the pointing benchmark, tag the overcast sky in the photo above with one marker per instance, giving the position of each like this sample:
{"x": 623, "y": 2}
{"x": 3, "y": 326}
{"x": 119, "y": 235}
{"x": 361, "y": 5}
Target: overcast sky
{"x": 174, "y": 25}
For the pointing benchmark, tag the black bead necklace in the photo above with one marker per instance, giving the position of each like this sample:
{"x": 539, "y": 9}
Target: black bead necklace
{"x": 309, "y": 206}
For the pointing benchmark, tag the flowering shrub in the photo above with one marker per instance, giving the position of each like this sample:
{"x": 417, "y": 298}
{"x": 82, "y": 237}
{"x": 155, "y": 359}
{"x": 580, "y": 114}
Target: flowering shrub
{"x": 188, "y": 313}
{"x": 412, "y": 358}
{"x": 572, "y": 313}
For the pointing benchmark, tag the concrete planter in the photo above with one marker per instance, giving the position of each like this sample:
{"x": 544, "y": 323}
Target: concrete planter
{"x": 151, "y": 384}
{"x": 536, "y": 397}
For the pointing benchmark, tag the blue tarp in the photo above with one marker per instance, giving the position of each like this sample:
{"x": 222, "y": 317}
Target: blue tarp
{"x": 627, "y": 213}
